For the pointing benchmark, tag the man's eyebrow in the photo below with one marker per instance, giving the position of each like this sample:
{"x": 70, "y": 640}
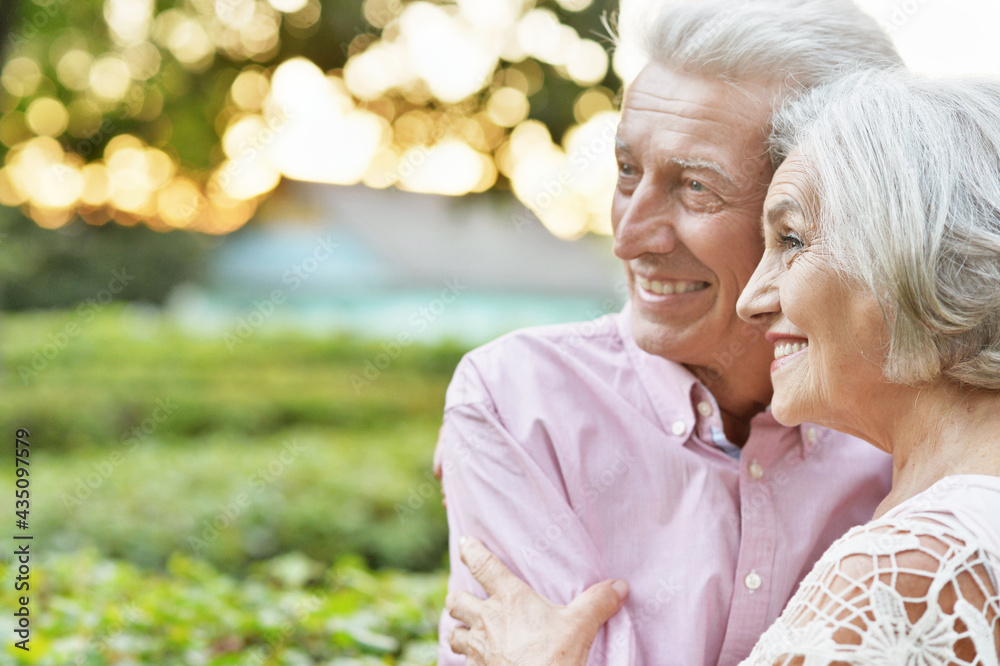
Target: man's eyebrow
{"x": 778, "y": 210}
{"x": 703, "y": 165}
{"x": 699, "y": 164}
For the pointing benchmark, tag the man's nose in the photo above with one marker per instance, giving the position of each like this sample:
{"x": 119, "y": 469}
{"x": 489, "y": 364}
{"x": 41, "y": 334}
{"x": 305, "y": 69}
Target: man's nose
{"x": 648, "y": 224}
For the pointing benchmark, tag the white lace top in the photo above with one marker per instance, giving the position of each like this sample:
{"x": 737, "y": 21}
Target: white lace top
{"x": 917, "y": 587}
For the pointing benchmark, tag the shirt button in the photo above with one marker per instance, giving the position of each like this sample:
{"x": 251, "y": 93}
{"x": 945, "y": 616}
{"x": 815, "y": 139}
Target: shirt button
{"x": 704, "y": 408}
{"x": 812, "y": 435}
{"x": 752, "y": 581}
{"x": 678, "y": 428}
{"x": 756, "y": 471}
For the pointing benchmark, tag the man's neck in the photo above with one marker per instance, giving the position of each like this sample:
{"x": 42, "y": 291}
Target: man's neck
{"x": 741, "y": 391}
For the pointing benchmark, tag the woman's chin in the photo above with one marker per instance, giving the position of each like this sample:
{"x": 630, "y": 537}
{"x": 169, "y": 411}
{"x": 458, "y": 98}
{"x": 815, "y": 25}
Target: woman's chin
{"x": 788, "y": 413}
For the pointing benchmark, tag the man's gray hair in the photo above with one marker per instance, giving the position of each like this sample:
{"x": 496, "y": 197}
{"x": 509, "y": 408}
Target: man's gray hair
{"x": 795, "y": 42}
{"x": 906, "y": 172}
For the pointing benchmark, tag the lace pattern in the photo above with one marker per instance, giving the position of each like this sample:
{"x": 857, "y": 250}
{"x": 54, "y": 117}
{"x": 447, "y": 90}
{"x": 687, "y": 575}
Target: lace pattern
{"x": 918, "y": 589}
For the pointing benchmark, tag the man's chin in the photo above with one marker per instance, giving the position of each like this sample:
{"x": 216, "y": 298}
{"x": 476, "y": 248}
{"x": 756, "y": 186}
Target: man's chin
{"x": 671, "y": 342}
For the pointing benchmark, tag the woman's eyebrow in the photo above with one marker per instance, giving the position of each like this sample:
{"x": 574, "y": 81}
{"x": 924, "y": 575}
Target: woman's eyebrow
{"x": 778, "y": 210}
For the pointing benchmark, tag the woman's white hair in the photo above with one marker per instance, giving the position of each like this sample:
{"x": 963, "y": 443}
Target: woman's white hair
{"x": 906, "y": 172}
{"x": 796, "y": 42}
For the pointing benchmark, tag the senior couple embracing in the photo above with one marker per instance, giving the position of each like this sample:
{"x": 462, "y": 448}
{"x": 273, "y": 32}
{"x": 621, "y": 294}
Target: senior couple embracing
{"x": 791, "y": 201}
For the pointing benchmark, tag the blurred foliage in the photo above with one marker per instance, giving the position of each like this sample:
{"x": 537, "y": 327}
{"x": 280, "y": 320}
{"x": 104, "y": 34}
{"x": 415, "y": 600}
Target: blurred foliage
{"x": 149, "y": 441}
{"x": 170, "y": 112}
{"x": 289, "y": 610}
{"x": 106, "y": 379}
{"x": 62, "y": 268}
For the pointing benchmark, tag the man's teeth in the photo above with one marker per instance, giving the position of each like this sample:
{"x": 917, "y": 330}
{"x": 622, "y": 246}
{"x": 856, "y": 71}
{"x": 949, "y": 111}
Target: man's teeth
{"x": 667, "y": 288}
{"x": 788, "y": 349}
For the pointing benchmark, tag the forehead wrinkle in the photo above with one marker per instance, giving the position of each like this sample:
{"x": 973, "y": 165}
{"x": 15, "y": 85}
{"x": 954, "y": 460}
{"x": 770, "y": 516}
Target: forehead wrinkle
{"x": 689, "y": 110}
{"x": 685, "y": 163}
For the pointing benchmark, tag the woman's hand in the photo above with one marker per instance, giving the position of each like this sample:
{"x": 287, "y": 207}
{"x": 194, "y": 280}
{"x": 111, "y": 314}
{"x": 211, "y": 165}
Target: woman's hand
{"x": 515, "y": 626}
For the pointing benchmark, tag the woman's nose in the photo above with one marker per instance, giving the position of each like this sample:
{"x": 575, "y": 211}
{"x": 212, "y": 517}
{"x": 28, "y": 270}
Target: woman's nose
{"x": 759, "y": 302}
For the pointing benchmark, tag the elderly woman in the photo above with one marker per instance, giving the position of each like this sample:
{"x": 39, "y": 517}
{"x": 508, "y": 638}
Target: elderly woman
{"x": 880, "y": 290}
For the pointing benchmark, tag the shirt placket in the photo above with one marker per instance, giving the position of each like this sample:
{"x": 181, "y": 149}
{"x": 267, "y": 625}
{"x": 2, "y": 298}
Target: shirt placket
{"x": 752, "y": 587}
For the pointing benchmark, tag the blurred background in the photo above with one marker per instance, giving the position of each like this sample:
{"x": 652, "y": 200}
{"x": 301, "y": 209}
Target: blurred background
{"x": 243, "y": 245}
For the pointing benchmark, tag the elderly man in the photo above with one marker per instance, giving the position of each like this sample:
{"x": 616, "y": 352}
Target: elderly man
{"x": 640, "y": 447}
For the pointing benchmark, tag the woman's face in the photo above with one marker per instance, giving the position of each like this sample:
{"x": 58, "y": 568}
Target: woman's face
{"x": 829, "y": 336}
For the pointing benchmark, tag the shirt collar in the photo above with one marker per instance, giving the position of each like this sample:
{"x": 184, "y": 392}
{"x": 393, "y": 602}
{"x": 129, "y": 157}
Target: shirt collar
{"x": 674, "y": 392}
{"x": 670, "y": 385}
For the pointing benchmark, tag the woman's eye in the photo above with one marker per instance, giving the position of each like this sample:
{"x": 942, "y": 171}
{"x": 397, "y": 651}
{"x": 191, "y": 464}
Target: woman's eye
{"x": 791, "y": 242}
{"x": 625, "y": 170}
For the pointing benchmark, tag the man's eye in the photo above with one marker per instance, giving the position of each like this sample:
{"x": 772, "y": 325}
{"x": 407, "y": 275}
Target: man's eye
{"x": 697, "y": 186}
{"x": 625, "y": 169}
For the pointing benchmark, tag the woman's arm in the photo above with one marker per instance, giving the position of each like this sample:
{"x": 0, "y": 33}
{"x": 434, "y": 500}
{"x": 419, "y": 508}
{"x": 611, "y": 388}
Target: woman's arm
{"x": 517, "y": 626}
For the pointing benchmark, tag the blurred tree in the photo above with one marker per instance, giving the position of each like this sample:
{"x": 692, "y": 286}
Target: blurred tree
{"x": 62, "y": 268}
{"x": 7, "y": 15}
{"x": 184, "y": 114}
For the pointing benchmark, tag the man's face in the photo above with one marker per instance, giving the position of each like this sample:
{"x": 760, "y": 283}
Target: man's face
{"x": 693, "y": 171}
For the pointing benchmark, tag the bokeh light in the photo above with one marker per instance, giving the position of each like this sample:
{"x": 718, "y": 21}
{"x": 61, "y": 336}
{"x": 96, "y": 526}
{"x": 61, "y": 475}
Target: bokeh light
{"x": 186, "y": 114}
{"x": 47, "y": 117}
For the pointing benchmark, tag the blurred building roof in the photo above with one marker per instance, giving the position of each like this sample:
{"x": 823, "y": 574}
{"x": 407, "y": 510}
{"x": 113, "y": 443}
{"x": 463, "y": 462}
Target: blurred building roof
{"x": 389, "y": 239}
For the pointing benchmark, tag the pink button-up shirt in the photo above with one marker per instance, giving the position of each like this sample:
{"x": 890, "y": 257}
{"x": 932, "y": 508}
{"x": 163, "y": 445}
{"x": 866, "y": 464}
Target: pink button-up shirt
{"x": 577, "y": 457}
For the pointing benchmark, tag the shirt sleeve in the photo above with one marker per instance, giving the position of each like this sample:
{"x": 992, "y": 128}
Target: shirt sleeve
{"x": 498, "y": 493}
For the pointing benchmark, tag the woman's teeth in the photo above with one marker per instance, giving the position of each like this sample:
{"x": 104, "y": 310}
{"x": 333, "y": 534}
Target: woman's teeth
{"x": 667, "y": 288}
{"x": 788, "y": 349}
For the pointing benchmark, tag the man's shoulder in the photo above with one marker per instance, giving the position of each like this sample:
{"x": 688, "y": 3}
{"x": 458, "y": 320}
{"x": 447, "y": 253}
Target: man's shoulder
{"x": 549, "y": 354}
{"x": 556, "y": 342}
